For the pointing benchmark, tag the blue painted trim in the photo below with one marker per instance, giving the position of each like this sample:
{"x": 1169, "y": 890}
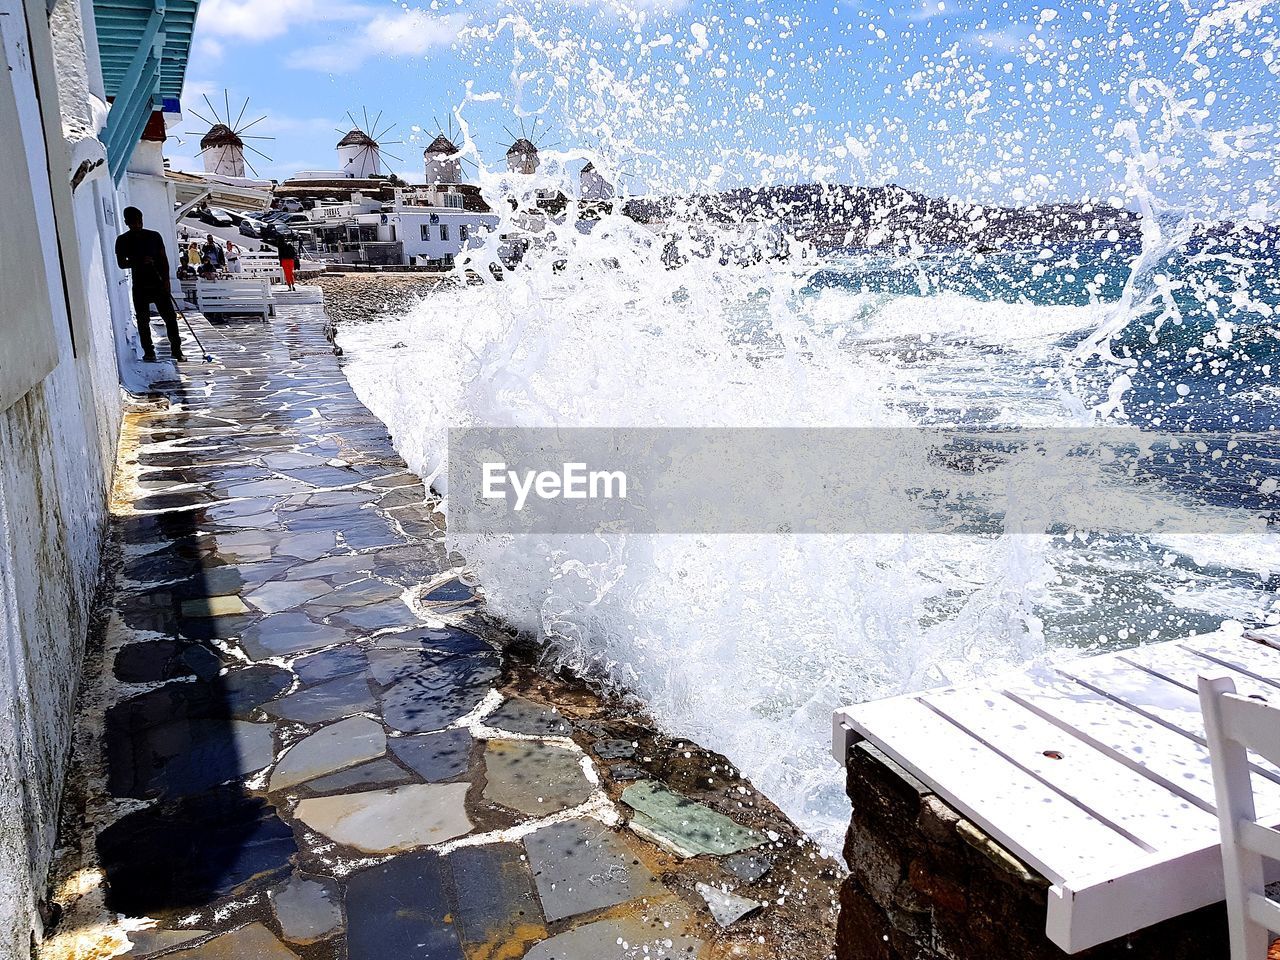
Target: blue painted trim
{"x": 127, "y": 134}
{"x": 143, "y": 46}
{"x": 120, "y": 34}
{"x": 124, "y": 111}
{"x": 146, "y": 48}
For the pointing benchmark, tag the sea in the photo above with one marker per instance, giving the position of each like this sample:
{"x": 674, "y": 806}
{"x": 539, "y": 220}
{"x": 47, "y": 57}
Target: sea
{"x": 747, "y": 642}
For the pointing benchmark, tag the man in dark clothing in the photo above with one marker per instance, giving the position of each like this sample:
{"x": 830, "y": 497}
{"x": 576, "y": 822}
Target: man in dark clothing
{"x": 214, "y": 253}
{"x": 142, "y": 253}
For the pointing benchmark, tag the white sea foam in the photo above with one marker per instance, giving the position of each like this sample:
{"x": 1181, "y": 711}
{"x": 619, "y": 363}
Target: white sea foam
{"x": 745, "y": 643}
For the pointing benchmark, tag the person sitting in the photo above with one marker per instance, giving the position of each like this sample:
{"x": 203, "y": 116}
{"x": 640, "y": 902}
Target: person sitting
{"x": 214, "y": 253}
{"x": 207, "y": 270}
{"x": 186, "y": 272}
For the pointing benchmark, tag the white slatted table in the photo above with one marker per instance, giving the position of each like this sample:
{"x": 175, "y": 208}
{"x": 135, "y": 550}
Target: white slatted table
{"x": 1093, "y": 771}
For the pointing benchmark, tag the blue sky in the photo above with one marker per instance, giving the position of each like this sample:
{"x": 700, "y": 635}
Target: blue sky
{"x": 1172, "y": 102}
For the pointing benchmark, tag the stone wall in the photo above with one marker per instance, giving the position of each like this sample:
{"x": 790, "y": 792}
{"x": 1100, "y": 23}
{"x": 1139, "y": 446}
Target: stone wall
{"x": 57, "y": 449}
{"x": 926, "y": 883}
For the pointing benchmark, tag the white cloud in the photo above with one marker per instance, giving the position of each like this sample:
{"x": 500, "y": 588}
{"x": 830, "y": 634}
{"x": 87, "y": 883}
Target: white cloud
{"x": 208, "y": 50}
{"x": 257, "y": 20}
{"x": 410, "y": 33}
{"x": 278, "y": 124}
{"x": 194, "y": 90}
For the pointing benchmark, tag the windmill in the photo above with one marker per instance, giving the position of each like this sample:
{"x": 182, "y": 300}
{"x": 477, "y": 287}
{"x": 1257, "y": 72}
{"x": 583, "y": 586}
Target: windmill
{"x": 360, "y": 150}
{"x": 440, "y": 160}
{"x": 223, "y": 145}
{"x": 592, "y": 184}
{"x": 522, "y": 155}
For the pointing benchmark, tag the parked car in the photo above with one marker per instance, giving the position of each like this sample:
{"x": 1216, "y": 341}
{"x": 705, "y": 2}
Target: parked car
{"x": 286, "y": 224}
{"x": 250, "y": 228}
{"x": 273, "y": 233}
{"x": 214, "y": 216}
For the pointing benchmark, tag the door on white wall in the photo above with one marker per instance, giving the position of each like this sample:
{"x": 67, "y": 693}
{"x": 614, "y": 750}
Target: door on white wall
{"x": 28, "y": 238}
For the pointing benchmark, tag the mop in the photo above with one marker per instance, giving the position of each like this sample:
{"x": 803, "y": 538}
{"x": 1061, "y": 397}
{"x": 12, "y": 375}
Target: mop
{"x": 206, "y": 355}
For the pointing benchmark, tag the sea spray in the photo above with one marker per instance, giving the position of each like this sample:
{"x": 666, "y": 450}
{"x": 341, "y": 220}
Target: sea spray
{"x": 746, "y": 643}
{"x": 584, "y": 317}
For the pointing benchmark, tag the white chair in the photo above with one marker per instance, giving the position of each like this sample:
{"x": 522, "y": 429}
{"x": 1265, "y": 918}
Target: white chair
{"x": 233, "y": 296}
{"x": 1233, "y": 725}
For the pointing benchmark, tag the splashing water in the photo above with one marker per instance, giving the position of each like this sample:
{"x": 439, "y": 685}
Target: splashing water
{"x": 882, "y": 310}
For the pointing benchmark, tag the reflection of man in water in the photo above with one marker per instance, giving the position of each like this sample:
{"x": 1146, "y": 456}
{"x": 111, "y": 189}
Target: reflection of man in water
{"x": 142, "y": 253}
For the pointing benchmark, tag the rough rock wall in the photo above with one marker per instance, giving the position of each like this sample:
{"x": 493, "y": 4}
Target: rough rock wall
{"x": 57, "y": 446}
{"x": 925, "y": 883}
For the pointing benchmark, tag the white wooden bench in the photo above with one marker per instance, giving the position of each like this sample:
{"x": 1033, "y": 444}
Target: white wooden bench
{"x": 234, "y": 296}
{"x": 1093, "y": 771}
{"x": 261, "y": 266}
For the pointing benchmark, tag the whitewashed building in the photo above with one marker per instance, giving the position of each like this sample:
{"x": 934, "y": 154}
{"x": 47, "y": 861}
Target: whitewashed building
{"x": 441, "y": 162}
{"x": 83, "y": 108}
{"x": 222, "y": 151}
{"x": 435, "y": 224}
{"x": 522, "y": 157}
{"x": 367, "y": 217}
{"x": 359, "y": 155}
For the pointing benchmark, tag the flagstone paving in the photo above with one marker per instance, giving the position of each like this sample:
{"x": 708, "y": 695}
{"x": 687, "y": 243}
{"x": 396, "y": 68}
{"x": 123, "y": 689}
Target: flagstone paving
{"x": 307, "y": 739}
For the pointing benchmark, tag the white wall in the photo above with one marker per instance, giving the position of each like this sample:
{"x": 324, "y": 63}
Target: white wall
{"x": 155, "y": 196}
{"x": 57, "y": 449}
{"x": 410, "y": 221}
{"x": 359, "y": 161}
{"x": 441, "y": 168}
{"x": 227, "y": 161}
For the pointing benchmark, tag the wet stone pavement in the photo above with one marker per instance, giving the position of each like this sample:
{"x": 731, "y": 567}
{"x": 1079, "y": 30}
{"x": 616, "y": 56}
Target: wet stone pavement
{"x": 301, "y": 735}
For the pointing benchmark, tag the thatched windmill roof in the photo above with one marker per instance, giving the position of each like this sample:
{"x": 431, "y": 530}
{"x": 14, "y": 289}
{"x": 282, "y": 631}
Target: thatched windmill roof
{"x": 357, "y": 138}
{"x": 441, "y": 144}
{"x": 220, "y": 135}
{"x": 522, "y": 147}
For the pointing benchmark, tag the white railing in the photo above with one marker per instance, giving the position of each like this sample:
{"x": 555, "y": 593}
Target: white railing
{"x": 264, "y": 266}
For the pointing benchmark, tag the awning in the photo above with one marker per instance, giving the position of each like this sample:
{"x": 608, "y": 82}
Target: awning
{"x": 143, "y": 46}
